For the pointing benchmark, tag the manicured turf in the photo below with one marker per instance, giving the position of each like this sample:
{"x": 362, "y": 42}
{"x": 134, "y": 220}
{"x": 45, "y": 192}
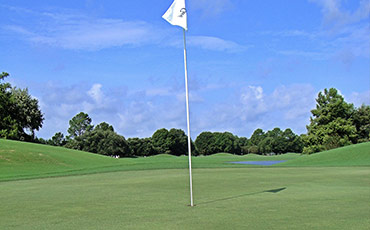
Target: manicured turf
{"x": 265, "y": 163}
{"x": 225, "y": 198}
{"x": 152, "y": 193}
{"x": 352, "y": 155}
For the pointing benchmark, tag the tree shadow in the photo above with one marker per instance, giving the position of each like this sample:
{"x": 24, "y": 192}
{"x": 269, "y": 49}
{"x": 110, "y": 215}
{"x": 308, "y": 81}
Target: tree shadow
{"x": 277, "y": 190}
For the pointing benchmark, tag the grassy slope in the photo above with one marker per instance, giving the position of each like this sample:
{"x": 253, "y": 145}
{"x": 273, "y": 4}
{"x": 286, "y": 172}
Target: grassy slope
{"x": 352, "y": 155}
{"x": 27, "y": 160}
{"x": 19, "y": 160}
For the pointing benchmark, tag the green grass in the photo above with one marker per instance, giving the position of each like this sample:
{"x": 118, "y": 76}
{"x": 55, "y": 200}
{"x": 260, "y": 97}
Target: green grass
{"x": 225, "y": 198}
{"x": 19, "y": 160}
{"x": 87, "y": 191}
{"x": 352, "y": 155}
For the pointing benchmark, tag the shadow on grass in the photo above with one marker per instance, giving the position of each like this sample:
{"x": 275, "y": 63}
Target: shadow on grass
{"x": 239, "y": 196}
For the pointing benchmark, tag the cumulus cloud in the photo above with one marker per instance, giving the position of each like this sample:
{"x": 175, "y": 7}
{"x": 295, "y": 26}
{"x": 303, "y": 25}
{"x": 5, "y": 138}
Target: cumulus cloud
{"x": 139, "y": 113}
{"x": 132, "y": 113}
{"x": 287, "y": 106}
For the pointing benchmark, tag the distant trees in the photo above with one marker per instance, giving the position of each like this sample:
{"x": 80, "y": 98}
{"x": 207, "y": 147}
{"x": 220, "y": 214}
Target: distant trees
{"x": 57, "y": 140}
{"x": 274, "y": 141}
{"x": 20, "y": 115}
{"x": 170, "y": 142}
{"x": 210, "y": 143}
{"x": 141, "y": 147}
{"x": 102, "y": 139}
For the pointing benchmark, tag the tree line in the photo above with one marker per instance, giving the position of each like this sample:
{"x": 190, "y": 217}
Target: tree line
{"x": 334, "y": 123}
{"x": 102, "y": 139}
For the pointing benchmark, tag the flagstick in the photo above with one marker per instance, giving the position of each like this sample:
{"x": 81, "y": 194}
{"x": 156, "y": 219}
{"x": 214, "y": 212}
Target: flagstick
{"x": 188, "y": 121}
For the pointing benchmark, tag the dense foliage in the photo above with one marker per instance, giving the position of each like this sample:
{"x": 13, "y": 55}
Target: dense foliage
{"x": 20, "y": 115}
{"x": 272, "y": 142}
{"x": 102, "y": 139}
{"x": 335, "y": 123}
{"x": 210, "y": 143}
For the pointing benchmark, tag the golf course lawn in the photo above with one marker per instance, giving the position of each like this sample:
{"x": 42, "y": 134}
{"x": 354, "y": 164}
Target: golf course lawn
{"x": 225, "y": 198}
{"x": 45, "y": 187}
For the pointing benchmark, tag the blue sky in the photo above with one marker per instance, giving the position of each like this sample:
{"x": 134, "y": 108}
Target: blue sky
{"x": 252, "y": 64}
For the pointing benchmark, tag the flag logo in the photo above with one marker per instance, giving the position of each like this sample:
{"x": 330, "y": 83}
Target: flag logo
{"x": 177, "y": 15}
{"x": 183, "y": 12}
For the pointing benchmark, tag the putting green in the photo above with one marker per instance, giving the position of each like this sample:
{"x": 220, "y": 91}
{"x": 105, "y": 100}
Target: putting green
{"x": 225, "y": 198}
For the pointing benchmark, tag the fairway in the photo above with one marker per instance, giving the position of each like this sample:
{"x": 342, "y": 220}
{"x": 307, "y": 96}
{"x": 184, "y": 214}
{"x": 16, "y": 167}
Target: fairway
{"x": 226, "y": 198}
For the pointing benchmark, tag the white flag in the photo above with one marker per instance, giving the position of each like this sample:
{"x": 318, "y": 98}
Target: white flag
{"x": 176, "y": 14}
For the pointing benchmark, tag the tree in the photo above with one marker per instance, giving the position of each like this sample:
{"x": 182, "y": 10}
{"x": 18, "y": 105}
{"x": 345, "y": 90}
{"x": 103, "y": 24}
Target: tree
{"x": 257, "y": 136}
{"x": 58, "y": 139}
{"x": 79, "y": 125}
{"x": 243, "y": 142}
{"x": 8, "y": 124}
{"x": 171, "y": 142}
{"x": 141, "y": 146}
{"x": 361, "y": 120}
{"x": 178, "y": 142}
{"x": 293, "y": 142}
{"x": 210, "y": 143}
{"x": 101, "y": 140}
{"x": 19, "y": 112}
{"x": 161, "y": 142}
{"x": 104, "y": 127}
{"x": 105, "y": 142}
{"x": 204, "y": 143}
{"x": 331, "y": 123}
{"x": 278, "y": 142}
{"x": 28, "y": 115}
{"x": 266, "y": 145}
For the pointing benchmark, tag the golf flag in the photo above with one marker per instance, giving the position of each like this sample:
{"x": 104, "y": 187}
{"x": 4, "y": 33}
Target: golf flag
{"x": 176, "y": 15}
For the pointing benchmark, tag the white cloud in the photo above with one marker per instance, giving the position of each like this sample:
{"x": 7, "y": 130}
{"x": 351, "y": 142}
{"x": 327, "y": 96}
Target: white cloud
{"x": 84, "y": 34}
{"x": 359, "y": 98}
{"x": 211, "y": 8}
{"x": 286, "y": 106}
{"x": 211, "y": 43}
{"x": 96, "y": 93}
{"x": 335, "y": 16}
{"x": 215, "y": 43}
{"x": 74, "y": 31}
{"x": 140, "y": 114}
{"x": 344, "y": 36}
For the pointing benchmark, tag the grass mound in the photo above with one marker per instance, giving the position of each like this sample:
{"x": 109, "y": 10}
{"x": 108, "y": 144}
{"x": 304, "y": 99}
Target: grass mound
{"x": 20, "y": 160}
{"x": 352, "y": 155}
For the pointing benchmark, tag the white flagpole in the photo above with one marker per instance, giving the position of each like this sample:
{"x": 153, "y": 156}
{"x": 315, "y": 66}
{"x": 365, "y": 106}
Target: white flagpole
{"x": 188, "y": 121}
